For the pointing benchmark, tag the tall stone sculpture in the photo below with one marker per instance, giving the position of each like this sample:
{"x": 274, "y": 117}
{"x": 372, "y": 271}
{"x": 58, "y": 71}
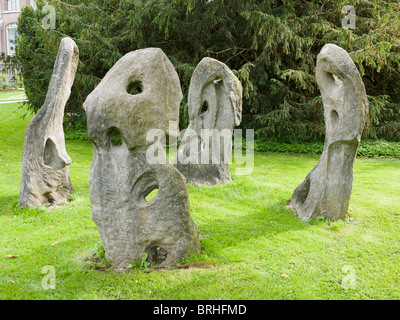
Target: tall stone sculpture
{"x": 327, "y": 188}
{"x": 45, "y": 179}
{"x": 215, "y": 108}
{"x": 140, "y": 92}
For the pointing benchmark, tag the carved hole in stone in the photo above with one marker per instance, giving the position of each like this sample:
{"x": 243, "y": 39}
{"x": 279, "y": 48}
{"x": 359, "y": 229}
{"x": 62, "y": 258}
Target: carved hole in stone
{"x": 330, "y": 76}
{"x": 151, "y": 195}
{"x": 204, "y": 108}
{"x": 202, "y": 145}
{"x": 169, "y": 140}
{"x": 143, "y": 187}
{"x": 303, "y": 193}
{"x": 134, "y": 87}
{"x": 333, "y": 79}
{"x": 148, "y": 194}
{"x": 334, "y": 117}
{"x": 49, "y": 197}
{"x": 333, "y": 86}
{"x": 157, "y": 254}
{"x": 115, "y": 137}
{"x": 51, "y": 157}
{"x": 338, "y": 82}
{"x": 218, "y": 81}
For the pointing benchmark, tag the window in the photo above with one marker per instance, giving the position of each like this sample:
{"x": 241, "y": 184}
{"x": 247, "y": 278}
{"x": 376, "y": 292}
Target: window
{"x": 33, "y": 4}
{"x": 13, "y": 5}
{"x": 11, "y": 38}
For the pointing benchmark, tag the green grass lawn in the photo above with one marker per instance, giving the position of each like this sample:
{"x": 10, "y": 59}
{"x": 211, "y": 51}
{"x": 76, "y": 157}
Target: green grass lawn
{"x": 12, "y": 96}
{"x": 252, "y": 246}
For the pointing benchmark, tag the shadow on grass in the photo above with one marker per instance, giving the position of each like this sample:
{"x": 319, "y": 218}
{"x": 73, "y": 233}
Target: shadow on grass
{"x": 9, "y": 204}
{"x": 265, "y": 222}
{"x": 222, "y": 227}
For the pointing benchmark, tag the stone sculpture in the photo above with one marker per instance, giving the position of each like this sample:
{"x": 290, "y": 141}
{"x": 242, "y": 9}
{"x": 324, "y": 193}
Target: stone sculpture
{"x": 45, "y": 179}
{"x": 215, "y": 108}
{"x": 327, "y": 188}
{"x": 140, "y": 92}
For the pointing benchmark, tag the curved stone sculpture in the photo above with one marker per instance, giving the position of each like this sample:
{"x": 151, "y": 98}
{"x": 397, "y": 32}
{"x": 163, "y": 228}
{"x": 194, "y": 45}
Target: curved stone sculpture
{"x": 215, "y": 108}
{"x": 327, "y": 188}
{"x": 45, "y": 179}
{"x": 140, "y": 92}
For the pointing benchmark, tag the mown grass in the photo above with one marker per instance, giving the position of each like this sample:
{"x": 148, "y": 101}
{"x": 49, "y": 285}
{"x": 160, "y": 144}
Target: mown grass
{"x": 14, "y": 95}
{"x": 252, "y": 246}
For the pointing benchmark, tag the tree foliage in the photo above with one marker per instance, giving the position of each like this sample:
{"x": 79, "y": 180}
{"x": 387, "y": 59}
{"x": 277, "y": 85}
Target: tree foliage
{"x": 271, "y": 45}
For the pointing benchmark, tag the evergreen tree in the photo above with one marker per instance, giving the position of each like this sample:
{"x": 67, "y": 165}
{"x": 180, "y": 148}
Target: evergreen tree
{"x": 271, "y": 45}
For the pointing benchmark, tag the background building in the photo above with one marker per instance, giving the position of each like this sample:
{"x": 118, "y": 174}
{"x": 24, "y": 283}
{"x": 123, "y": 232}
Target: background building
{"x": 9, "y": 12}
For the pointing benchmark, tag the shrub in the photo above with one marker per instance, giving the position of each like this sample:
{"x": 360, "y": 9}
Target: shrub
{"x": 271, "y": 46}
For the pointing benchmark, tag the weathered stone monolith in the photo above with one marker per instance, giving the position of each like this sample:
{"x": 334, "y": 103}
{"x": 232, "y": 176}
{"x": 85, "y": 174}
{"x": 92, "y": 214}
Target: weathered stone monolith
{"x": 215, "y": 108}
{"x": 140, "y": 92}
{"x": 45, "y": 179}
{"x": 327, "y": 188}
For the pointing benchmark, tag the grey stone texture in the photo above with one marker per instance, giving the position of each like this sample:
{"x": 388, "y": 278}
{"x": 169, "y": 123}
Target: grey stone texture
{"x": 215, "y": 108}
{"x": 140, "y": 92}
{"x": 45, "y": 163}
{"x": 327, "y": 188}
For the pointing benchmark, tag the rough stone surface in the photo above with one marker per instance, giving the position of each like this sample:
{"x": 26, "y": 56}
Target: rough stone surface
{"x": 327, "y": 188}
{"x": 215, "y": 103}
{"x": 140, "y": 92}
{"x": 45, "y": 179}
